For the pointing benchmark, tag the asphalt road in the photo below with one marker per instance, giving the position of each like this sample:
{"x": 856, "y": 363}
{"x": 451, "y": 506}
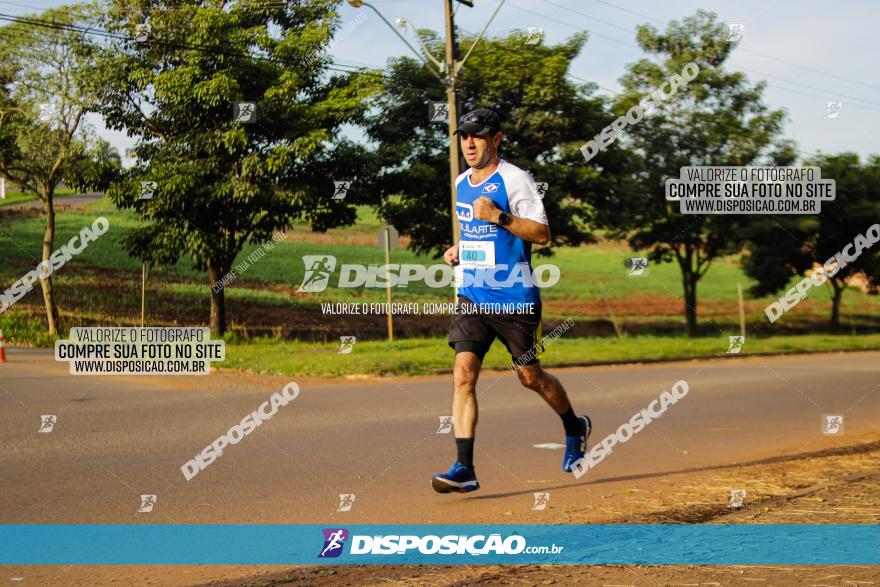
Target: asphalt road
{"x": 119, "y": 437}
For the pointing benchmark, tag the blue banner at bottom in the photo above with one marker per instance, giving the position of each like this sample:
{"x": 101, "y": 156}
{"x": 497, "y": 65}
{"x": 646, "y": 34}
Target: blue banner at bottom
{"x": 656, "y": 544}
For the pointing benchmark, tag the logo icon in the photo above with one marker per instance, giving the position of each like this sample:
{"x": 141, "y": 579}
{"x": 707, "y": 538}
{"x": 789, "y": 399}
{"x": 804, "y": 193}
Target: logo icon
{"x": 334, "y": 541}
{"x": 736, "y": 498}
{"x": 318, "y": 270}
{"x": 541, "y": 500}
{"x": 438, "y": 112}
{"x": 47, "y": 423}
{"x": 465, "y": 211}
{"x": 832, "y": 109}
{"x": 832, "y": 424}
{"x": 148, "y": 190}
{"x": 445, "y": 424}
{"x": 147, "y": 503}
{"x": 142, "y": 32}
{"x": 346, "y": 345}
{"x": 490, "y": 188}
{"x": 541, "y": 189}
{"x": 637, "y": 266}
{"x": 340, "y": 188}
{"x": 244, "y": 112}
{"x": 736, "y": 344}
{"x": 535, "y": 35}
{"x": 735, "y": 31}
{"x": 346, "y": 500}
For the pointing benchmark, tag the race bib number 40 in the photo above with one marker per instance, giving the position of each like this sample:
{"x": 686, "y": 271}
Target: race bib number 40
{"x": 476, "y": 254}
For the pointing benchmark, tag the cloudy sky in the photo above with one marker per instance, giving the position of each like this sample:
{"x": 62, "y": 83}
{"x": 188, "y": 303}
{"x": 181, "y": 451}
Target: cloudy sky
{"x": 808, "y": 52}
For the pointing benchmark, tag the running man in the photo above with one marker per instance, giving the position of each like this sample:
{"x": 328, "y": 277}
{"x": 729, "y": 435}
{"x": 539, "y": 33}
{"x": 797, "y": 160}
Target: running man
{"x": 501, "y": 215}
{"x": 334, "y": 542}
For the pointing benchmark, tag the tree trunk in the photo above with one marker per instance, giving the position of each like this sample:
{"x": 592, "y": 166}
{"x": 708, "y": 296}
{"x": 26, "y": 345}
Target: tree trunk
{"x": 48, "y": 243}
{"x": 835, "y": 304}
{"x": 216, "y": 271}
{"x": 689, "y": 281}
{"x": 689, "y": 278}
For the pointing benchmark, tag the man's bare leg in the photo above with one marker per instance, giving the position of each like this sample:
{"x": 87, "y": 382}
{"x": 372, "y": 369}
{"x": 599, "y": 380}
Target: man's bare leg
{"x": 577, "y": 430}
{"x": 546, "y": 385}
{"x": 461, "y": 476}
{"x": 465, "y": 373}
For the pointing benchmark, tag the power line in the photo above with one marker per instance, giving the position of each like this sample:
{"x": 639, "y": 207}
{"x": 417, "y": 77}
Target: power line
{"x": 830, "y": 92}
{"x": 611, "y": 24}
{"x": 343, "y": 68}
{"x": 833, "y": 94}
{"x": 200, "y": 48}
{"x": 273, "y": 4}
{"x": 804, "y": 67}
{"x": 59, "y": 27}
{"x": 586, "y": 81}
{"x": 568, "y": 24}
{"x": 823, "y": 98}
{"x": 846, "y": 79}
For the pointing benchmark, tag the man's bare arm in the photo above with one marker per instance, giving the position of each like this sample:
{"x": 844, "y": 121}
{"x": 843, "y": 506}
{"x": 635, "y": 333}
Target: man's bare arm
{"x": 530, "y": 230}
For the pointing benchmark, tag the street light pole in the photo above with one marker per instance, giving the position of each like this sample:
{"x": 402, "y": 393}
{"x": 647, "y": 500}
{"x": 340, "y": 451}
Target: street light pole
{"x": 452, "y": 67}
{"x": 360, "y": 3}
{"x": 402, "y": 24}
{"x": 452, "y": 106}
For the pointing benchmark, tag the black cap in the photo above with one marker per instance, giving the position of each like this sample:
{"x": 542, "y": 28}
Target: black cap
{"x": 481, "y": 122}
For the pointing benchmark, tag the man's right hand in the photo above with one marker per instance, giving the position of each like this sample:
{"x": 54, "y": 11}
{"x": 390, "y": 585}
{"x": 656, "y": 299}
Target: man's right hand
{"x": 451, "y": 255}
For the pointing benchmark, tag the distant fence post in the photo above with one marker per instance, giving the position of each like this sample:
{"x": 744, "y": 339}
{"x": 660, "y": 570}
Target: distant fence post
{"x": 143, "y": 291}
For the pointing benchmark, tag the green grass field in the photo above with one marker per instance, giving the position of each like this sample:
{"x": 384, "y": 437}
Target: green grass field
{"x": 102, "y": 286}
{"x": 587, "y": 273}
{"x": 425, "y": 356}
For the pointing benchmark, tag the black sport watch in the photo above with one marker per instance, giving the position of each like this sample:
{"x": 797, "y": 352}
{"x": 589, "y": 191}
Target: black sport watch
{"x": 504, "y": 219}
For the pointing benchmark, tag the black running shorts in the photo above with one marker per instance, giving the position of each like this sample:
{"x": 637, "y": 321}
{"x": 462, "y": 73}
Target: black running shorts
{"x": 474, "y": 330}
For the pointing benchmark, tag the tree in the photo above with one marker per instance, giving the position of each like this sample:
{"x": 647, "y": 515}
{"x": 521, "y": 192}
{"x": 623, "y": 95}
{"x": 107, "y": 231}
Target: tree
{"x": 223, "y": 178}
{"x": 543, "y": 116}
{"x": 781, "y": 247}
{"x": 44, "y": 98}
{"x": 716, "y": 119}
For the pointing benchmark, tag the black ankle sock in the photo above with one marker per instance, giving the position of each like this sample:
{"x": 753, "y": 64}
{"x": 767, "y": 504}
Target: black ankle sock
{"x": 465, "y": 448}
{"x": 574, "y": 426}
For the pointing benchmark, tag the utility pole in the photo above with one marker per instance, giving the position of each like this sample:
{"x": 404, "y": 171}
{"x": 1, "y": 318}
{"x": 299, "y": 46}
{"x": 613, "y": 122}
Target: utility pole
{"x": 143, "y": 291}
{"x": 452, "y": 101}
{"x": 449, "y": 78}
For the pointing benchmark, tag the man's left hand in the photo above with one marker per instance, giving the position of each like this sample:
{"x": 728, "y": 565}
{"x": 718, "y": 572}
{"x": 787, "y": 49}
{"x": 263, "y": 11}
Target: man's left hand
{"x": 486, "y": 210}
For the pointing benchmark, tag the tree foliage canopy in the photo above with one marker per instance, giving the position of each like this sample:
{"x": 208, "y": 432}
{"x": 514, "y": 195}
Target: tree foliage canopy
{"x": 716, "y": 119}
{"x": 545, "y": 119}
{"x": 222, "y": 180}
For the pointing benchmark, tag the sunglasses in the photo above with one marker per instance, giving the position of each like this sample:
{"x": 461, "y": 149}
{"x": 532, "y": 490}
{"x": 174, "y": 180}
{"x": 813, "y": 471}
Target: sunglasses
{"x": 472, "y": 118}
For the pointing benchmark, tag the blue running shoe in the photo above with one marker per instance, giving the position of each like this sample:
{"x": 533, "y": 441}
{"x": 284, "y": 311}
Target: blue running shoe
{"x": 459, "y": 479}
{"x": 576, "y": 446}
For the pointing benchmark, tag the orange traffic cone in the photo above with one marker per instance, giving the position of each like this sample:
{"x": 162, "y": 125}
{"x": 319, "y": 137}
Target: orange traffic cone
{"x": 2, "y": 348}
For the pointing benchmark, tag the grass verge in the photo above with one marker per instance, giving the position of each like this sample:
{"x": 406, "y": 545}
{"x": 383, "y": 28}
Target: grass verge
{"x": 425, "y": 356}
